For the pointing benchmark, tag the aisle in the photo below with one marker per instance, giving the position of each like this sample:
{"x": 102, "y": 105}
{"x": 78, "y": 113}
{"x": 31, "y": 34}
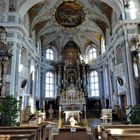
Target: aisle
{"x": 66, "y": 132}
{"x": 75, "y": 134}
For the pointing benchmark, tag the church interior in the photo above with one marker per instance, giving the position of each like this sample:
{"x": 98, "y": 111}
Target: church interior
{"x": 69, "y": 69}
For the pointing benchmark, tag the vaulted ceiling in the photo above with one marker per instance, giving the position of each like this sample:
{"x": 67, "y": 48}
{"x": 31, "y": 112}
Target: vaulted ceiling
{"x": 81, "y": 21}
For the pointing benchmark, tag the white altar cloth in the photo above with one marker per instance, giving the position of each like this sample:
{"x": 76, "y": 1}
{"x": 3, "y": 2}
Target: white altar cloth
{"x": 74, "y": 113}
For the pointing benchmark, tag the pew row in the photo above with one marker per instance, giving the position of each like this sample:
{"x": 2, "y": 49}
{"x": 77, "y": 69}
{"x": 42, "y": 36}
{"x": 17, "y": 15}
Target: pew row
{"x": 119, "y": 132}
{"x": 24, "y": 132}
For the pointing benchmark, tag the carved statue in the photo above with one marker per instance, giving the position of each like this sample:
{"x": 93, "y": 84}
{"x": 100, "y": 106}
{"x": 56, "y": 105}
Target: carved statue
{"x": 72, "y": 121}
{"x": 51, "y": 112}
{"x": 23, "y": 95}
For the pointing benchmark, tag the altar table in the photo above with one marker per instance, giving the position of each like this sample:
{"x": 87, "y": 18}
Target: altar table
{"x": 74, "y": 113}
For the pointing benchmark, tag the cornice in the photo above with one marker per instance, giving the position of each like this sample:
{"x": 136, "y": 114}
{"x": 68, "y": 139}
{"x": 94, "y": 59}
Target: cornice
{"x": 16, "y": 26}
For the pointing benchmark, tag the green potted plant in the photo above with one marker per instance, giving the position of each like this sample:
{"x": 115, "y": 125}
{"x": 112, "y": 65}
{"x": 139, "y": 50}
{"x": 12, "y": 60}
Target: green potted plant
{"x": 134, "y": 114}
{"x": 9, "y": 108}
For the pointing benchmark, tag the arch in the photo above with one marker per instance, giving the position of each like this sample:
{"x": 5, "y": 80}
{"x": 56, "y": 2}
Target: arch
{"x": 102, "y": 42}
{"x": 54, "y": 49}
{"x": 116, "y": 6}
{"x": 27, "y": 5}
{"x": 92, "y": 53}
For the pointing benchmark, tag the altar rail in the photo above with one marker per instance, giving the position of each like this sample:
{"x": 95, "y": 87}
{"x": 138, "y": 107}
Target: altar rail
{"x": 96, "y": 113}
{"x": 119, "y": 132}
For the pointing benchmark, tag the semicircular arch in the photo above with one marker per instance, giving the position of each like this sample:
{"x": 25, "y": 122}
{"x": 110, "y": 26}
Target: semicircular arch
{"x": 116, "y": 6}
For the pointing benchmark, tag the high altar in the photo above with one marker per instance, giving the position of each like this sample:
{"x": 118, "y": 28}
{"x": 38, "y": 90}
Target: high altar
{"x": 72, "y": 80}
{"x": 72, "y": 98}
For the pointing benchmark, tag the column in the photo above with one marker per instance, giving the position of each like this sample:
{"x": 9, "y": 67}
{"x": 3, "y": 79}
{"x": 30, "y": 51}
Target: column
{"x": 18, "y": 53}
{"x": 88, "y": 87}
{"x": 64, "y": 77}
{"x": 110, "y": 87}
{"x": 87, "y": 77}
{"x": 59, "y": 81}
{"x": 106, "y": 82}
{"x": 79, "y": 79}
{"x": 131, "y": 100}
{"x": 13, "y": 68}
{"x": 84, "y": 76}
{"x": 101, "y": 86}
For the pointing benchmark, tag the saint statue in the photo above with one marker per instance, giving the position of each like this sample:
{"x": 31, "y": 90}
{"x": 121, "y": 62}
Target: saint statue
{"x": 72, "y": 121}
{"x": 23, "y": 95}
{"x": 51, "y": 112}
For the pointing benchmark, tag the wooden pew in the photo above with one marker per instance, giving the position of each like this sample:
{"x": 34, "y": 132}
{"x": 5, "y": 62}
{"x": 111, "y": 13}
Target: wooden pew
{"x": 25, "y": 136}
{"x": 121, "y": 132}
{"x": 19, "y": 133}
{"x": 30, "y": 132}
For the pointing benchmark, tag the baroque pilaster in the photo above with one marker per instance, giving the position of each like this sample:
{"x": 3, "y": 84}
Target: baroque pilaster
{"x": 18, "y": 53}
{"x": 59, "y": 78}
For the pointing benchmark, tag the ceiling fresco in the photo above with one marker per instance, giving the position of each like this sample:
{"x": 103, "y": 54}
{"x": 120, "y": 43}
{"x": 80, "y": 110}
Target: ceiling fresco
{"x": 68, "y": 20}
{"x": 69, "y": 14}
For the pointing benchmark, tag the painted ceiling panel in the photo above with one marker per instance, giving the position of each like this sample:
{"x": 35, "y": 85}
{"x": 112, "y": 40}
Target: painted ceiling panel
{"x": 81, "y": 21}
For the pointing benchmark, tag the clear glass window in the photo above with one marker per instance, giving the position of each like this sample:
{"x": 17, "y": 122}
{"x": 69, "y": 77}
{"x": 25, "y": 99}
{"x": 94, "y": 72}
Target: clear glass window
{"x": 49, "y": 85}
{"x": 94, "y": 84}
{"x": 50, "y": 54}
{"x": 92, "y": 53}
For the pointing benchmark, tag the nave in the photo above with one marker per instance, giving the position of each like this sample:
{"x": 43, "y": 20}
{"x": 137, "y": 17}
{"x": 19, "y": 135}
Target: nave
{"x": 48, "y": 130}
{"x": 69, "y": 69}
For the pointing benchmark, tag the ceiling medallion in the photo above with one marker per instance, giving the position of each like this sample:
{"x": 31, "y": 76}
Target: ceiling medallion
{"x": 70, "y": 14}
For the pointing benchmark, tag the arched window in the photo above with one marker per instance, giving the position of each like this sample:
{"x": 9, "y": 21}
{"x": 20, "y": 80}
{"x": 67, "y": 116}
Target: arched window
{"x": 50, "y": 54}
{"x": 49, "y": 85}
{"x": 135, "y": 69}
{"x": 92, "y": 53}
{"x": 132, "y": 10}
{"x": 102, "y": 45}
{"x": 94, "y": 84}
